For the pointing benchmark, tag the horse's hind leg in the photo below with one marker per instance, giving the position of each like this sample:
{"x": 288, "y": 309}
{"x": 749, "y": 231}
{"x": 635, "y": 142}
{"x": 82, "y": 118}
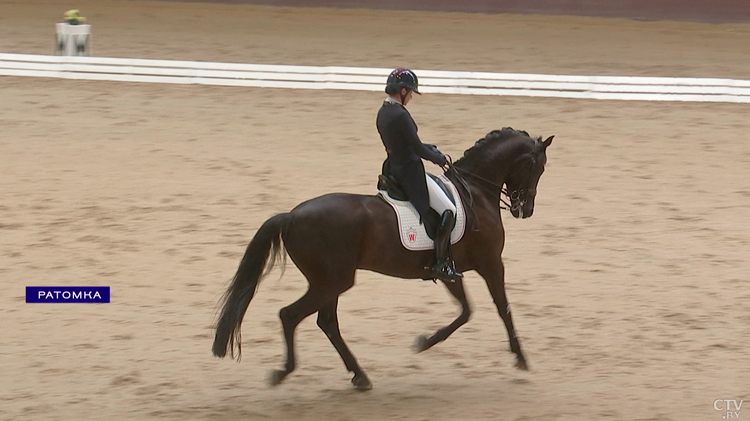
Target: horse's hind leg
{"x": 457, "y": 290}
{"x": 329, "y": 323}
{"x": 290, "y": 317}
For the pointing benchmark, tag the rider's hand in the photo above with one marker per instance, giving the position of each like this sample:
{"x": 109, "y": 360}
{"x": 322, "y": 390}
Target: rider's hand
{"x": 443, "y": 161}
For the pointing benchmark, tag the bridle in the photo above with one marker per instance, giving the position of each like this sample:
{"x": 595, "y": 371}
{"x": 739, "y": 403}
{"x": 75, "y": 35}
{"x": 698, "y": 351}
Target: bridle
{"x": 518, "y": 195}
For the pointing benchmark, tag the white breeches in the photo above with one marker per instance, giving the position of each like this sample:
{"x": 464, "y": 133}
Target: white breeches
{"x": 438, "y": 199}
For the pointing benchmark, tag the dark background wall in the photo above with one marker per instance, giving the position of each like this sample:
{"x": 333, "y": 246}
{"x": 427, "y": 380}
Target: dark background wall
{"x": 715, "y": 11}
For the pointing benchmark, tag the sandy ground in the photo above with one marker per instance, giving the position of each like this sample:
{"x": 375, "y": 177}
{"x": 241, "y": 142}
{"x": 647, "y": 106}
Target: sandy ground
{"x": 629, "y": 285}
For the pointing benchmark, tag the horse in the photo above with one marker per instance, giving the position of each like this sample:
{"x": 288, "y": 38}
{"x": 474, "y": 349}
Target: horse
{"x": 332, "y": 236}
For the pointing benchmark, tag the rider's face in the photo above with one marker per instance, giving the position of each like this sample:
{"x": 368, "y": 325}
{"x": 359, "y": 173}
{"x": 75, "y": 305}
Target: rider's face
{"x": 408, "y": 96}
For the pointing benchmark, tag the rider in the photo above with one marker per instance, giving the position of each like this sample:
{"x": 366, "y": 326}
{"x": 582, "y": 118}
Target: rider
{"x": 398, "y": 131}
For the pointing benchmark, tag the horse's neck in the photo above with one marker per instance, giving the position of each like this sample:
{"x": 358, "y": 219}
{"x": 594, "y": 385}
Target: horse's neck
{"x": 493, "y": 171}
{"x": 480, "y": 181}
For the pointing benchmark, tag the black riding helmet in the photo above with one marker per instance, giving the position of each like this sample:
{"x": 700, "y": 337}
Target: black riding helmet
{"x": 401, "y": 78}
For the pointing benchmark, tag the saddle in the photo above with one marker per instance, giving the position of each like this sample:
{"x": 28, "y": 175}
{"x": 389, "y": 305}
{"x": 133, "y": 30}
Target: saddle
{"x": 390, "y": 185}
{"x": 411, "y": 230}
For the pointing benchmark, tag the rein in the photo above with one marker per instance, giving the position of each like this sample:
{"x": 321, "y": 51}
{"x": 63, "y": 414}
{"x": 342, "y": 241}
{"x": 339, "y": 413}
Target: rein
{"x": 502, "y": 189}
{"x": 518, "y": 195}
{"x": 461, "y": 183}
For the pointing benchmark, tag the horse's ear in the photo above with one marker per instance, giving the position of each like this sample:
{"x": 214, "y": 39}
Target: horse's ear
{"x": 548, "y": 141}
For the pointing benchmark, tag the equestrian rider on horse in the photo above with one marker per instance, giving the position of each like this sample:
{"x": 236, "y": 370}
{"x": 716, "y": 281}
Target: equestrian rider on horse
{"x": 398, "y": 131}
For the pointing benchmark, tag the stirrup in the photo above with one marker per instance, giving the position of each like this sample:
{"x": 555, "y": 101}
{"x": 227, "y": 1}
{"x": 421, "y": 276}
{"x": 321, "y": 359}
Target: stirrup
{"x": 445, "y": 272}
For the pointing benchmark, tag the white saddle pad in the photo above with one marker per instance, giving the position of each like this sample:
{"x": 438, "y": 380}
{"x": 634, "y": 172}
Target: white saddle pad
{"x": 413, "y": 234}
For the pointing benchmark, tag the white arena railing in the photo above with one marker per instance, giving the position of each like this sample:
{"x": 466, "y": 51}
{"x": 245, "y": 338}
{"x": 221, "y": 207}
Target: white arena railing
{"x": 372, "y": 79}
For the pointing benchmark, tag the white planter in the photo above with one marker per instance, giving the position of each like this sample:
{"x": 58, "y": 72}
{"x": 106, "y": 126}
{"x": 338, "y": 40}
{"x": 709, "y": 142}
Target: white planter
{"x": 73, "y": 40}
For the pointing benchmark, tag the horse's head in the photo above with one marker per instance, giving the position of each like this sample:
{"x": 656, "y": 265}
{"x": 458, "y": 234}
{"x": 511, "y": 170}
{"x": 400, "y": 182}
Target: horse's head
{"x": 510, "y": 161}
{"x": 524, "y": 177}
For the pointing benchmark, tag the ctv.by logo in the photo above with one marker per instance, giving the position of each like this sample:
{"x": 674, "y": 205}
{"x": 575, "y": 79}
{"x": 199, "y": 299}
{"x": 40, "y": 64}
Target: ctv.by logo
{"x": 726, "y": 405}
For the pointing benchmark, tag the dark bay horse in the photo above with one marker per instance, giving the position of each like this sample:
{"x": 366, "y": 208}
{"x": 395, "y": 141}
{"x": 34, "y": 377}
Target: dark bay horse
{"x": 330, "y": 237}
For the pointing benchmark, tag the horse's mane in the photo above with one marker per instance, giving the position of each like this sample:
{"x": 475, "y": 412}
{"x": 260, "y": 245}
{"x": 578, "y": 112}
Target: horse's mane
{"x": 480, "y": 146}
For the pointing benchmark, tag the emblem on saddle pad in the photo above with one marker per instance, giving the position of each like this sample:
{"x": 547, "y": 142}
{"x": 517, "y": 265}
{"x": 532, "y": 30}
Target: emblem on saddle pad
{"x": 412, "y": 233}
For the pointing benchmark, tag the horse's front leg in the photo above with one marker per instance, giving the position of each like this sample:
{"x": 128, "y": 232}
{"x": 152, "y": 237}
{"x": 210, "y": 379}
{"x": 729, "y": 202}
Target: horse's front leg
{"x": 328, "y": 322}
{"x": 457, "y": 290}
{"x": 494, "y": 275}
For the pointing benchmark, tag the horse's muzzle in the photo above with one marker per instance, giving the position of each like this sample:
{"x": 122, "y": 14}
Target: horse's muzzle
{"x": 522, "y": 209}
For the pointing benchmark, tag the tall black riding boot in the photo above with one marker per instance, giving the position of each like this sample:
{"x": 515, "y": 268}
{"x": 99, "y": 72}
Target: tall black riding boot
{"x": 445, "y": 267}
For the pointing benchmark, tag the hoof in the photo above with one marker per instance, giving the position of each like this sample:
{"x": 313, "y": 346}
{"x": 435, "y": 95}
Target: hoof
{"x": 422, "y": 344}
{"x": 521, "y": 364}
{"x": 277, "y": 376}
{"x": 361, "y": 383}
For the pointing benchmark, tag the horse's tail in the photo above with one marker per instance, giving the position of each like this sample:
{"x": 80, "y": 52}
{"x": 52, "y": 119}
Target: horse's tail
{"x": 261, "y": 255}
